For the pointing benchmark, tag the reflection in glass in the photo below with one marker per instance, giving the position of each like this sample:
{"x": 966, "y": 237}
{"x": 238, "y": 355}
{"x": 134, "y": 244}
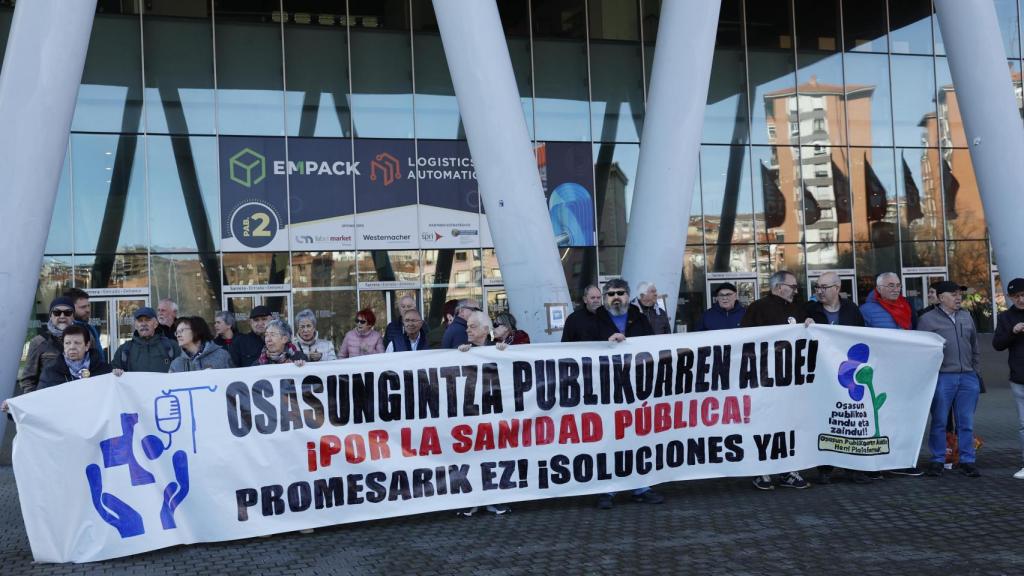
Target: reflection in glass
{"x": 864, "y": 26}
{"x": 873, "y": 188}
{"x": 829, "y": 255}
{"x": 388, "y": 266}
{"x": 452, "y": 267}
{"x": 108, "y": 186}
{"x": 728, "y": 205}
{"x": 615, "y": 169}
{"x": 244, "y": 268}
{"x": 969, "y": 265}
{"x": 59, "y": 240}
{"x": 920, "y": 186}
{"x": 731, "y": 258}
{"x": 179, "y": 70}
{"x": 1008, "y": 18}
{"x": 965, "y": 217}
{"x": 913, "y": 100}
{"x": 868, "y": 101}
{"x": 323, "y": 269}
{"x": 111, "y": 271}
{"x": 382, "y": 98}
{"x": 820, "y": 104}
{"x": 776, "y": 191}
{"x": 184, "y": 197}
{"x": 316, "y": 64}
{"x": 726, "y": 113}
{"x": 437, "y": 111}
{"x": 774, "y": 85}
{"x": 692, "y": 294}
{"x": 580, "y": 267}
{"x": 772, "y": 258}
{"x": 923, "y": 254}
{"x": 110, "y": 96}
{"x": 560, "y": 74}
{"x": 491, "y": 271}
{"x": 910, "y": 24}
{"x": 334, "y": 310}
{"x": 617, "y": 109}
{"x": 817, "y": 25}
{"x": 250, "y": 97}
{"x": 189, "y": 280}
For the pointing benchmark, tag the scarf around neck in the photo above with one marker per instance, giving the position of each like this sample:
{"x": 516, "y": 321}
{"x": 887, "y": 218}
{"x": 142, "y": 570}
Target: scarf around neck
{"x": 76, "y": 367}
{"x": 53, "y": 329}
{"x": 899, "y": 309}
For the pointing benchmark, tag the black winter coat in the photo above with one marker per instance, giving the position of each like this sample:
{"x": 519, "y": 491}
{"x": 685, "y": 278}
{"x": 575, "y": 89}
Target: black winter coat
{"x": 56, "y": 372}
{"x": 849, "y": 313}
{"x": 1005, "y": 339}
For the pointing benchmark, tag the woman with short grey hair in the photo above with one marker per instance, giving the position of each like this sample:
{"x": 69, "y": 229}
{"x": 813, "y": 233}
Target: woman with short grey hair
{"x": 223, "y": 328}
{"x": 309, "y": 341}
{"x": 278, "y": 348}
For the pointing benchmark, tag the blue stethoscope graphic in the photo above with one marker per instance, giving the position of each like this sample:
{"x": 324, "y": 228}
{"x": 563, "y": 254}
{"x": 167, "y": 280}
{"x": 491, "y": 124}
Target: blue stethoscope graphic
{"x": 167, "y": 409}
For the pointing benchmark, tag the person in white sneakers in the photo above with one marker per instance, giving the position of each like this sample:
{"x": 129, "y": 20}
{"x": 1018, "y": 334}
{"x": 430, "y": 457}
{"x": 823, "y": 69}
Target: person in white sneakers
{"x": 1010, "y": 336}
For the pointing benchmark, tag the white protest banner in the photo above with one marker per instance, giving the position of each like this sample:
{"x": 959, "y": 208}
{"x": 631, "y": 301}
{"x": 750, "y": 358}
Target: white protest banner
{"x": 108, "y": 466}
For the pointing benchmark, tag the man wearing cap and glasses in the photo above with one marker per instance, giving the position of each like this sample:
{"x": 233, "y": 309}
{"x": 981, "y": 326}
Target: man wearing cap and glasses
{"x": 246, "y": 347}
{"x": 1010, "y": 336}
{"x": 455, "y": 335}
{"x": 725, "y": 313}
{"x": 147, "y": 351}
{"x": 46, "y": 346}
{"x": 958, "y": 384}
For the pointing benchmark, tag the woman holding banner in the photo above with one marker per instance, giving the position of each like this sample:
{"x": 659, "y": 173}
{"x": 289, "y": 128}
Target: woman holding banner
{"x": 505, "y": 330}
{"x": 312, "y": 345}
{"x": 362, "y": 339}
{"x": 279, "y": 348}
{"x": 198, "y": 351}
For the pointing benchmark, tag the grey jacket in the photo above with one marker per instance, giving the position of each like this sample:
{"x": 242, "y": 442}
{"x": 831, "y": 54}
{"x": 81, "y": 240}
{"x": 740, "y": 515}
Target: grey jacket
{"x": 960, "y": 353}
{"x": 211, "y": 356}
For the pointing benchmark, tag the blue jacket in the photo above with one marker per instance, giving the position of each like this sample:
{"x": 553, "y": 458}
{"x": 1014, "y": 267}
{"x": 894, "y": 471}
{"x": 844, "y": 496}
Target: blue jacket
{"x": 95, "y": 336}
{"x": 715, "y": 318}
{"x": 877, "y": 317}
{"x": 455, "y": 335}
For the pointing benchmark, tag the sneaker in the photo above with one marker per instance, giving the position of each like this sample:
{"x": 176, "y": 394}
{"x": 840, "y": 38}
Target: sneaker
{"x": 824, "y": 478}
{"x": 969, "y": 469}
{"x": 860, "y": 477}
{"x": 764, "y": 483}
{"x": 604, "y": 502}
{"x": 915, "y": 471}
{"x": 794, "y": 480}
{"x": 466, "y": 512}
{"x": 1019, "y": 475}
{"x": 499, "y": 509}
{"x": 934, "y": 469}
{"x": 648, "y": 497}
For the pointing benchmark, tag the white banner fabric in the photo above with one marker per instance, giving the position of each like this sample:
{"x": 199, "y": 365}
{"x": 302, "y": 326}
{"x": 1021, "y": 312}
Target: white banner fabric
{"x": 108, "y": 466}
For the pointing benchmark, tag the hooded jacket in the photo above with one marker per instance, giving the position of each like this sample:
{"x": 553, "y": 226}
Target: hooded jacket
{"x": 209, "y": 356}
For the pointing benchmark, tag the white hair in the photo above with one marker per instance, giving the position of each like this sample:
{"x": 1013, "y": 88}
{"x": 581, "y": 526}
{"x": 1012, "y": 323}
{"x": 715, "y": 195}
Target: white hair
{"x": 881, "y": 277}
{"x": 482, "y": 319}
{"x": 174, "y": 305}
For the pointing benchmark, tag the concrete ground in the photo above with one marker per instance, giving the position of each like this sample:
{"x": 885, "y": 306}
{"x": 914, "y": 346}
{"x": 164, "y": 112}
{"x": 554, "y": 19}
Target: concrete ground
{"x": 949, "y": 525}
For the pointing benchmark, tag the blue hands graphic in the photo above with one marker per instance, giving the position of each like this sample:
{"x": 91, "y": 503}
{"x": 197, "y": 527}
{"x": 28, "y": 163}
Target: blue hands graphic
{"x": 112, "y": 509}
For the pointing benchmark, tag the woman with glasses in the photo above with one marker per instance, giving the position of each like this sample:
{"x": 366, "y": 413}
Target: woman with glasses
{"x": 505, "y": 330}
{"x": 362, "y": 339}
{"x": 198, "y": 350}
{"x": 312, "y": 345}
{"x": 278, "y": 348}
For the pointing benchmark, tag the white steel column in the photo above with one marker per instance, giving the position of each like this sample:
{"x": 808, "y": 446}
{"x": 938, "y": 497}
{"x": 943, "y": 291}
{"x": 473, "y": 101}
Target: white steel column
{"x": 506, "y": 169}
{"x": 992, "y": 121}
{"x": 669, "y": 147}
{"x": 41, "y": 73}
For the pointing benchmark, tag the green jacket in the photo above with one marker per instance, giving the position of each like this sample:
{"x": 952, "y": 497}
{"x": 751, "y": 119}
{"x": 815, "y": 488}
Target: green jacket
{"x": 153, "y": 354}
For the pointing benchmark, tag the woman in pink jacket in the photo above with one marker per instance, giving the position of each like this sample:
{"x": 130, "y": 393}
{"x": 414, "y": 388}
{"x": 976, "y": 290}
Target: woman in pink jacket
{"x": 363, "y": 339}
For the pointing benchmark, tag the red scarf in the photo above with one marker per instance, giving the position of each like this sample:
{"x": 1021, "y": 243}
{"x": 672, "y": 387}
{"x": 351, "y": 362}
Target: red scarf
{"x": 899, "y": 309}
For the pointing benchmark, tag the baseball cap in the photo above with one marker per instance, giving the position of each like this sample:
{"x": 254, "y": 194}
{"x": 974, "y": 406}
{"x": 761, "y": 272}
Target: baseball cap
{"x": 259, "y": 312}
{"x": 948, "y": 286}
{"x": 1016, "y": 285}
{"x": 145, "y": 311}
{"x": 725, "y": 286}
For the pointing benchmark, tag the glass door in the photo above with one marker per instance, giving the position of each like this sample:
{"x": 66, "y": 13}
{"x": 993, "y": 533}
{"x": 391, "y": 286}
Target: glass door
{"x": 847, "y": 285}
{"x": 915, "y": 288}
{"x": 241, "y": 306}
{"x": 114, "y": 319}
{"x": 746, "y": 288}
{"x": 496, "y": 299}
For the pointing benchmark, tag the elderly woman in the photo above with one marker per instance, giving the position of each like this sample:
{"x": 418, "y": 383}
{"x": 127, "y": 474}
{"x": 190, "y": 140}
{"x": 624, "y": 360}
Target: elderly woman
{"x": 224, "y": 328}
{"x": 505, "y": 330}
{"x": 362, "y": 339}
{"x": 278, "y": 348}
{"x": 80, "y": 360}
{"x": 314, "y": 347}
{"x": 198, "y": 349}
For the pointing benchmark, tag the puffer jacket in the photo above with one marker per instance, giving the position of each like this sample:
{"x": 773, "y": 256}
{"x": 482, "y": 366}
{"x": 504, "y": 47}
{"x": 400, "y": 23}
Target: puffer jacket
{"x": 875, "y": 316}
{"x": 324, "y": 347}
{"x": 355, "y": 344}
{"x": 209, "y": 356}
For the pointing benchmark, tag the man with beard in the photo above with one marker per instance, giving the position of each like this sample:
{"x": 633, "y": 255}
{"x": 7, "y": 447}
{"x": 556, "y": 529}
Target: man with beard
{"x": 47, "y": 346}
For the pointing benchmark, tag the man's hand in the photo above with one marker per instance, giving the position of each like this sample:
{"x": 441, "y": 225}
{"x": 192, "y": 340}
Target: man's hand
{"x": 501, "y": 346}
{"x": 808, "y": 322}
{"x": 617, "y": 337}
{"x": 118, "y": 372}
{"x": 464, "y": 347}
{"x": 299, "y": 363}
{"x": 4, "y": 407}
{"x": 1018, "y": 327}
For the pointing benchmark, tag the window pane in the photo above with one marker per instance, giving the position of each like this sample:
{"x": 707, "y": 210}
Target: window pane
{"x": 910, "y": 23}
{"x": 580, "y": 267}
{"x": 112, "y": 270}
{"x": 1009, "y": 26}
{"x": 110, "y": 96}
{"x": 389, "y": 266}
{"x": 323, "y": 269}
{"x": 829, "y": 255}
{"x": 316, "y": 65}
{"x": 969, "y": 265}
{"x": 728, "y": 204}
{"x": 615, "y": 170}
{"x": 776, "y": 257}
{"x": 108, "y": 186}
{"x": 452, "y": 267}
{"x": 872, "y": 261}
{"x": 191, "y": 280}
{"x": 820, "y": 105}
{"x": 965, "y": 218}
{"x": 334, "y": 310}
{"x": 873, "y": 187}
{"x": 241, "y": 268}
{"x": 864, "y": 26}
{"x": 826, "y": 208}
{"x": 817, "y": 25}
{"x": 560, "y": 70}
{"x": 382, "y": 98}
{"x": 184, "y": 196}
{"x": 731, "y": 258}
{"x": 617, "y": 111}
{"x": 920, "y": 194}
{"x": 726, "y": 115}
{"x": 250, "y": 97}
{"x": 922, "y": 254}
{"x": 913, "y": 98}
{"x": 868, "y": 101}
{"x": 437, "y": 111}
{"x": 692, "y": 294}
{"x": 60, "y": 240}
{"x": 776, "y": 192}
{"x": 179, "y": 68}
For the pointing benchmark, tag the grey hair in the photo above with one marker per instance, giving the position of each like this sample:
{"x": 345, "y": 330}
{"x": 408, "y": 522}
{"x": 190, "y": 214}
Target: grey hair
{"x": 306, "y": 314}
{"x": 590, "y": 287}
{"x": 174, "y": 305}
{"x": 482, "y": 318}
{"x": 281, "y": 326}
{"x": 642, "y": 287}
{"x": 881, "y": 277}
{"x": 617, "y": 283}
{"x": 465, "y": 303}
{"x": 507, "y": 319}
{"x": 226, "y": 317}
{"x": 779, "y": 278}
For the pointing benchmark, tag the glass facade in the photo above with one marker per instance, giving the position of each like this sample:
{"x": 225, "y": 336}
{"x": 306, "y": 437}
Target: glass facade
{"x": 832, "y": 141}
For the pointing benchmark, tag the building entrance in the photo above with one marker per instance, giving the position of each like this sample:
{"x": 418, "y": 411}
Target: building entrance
{"x": 112, "y": 314}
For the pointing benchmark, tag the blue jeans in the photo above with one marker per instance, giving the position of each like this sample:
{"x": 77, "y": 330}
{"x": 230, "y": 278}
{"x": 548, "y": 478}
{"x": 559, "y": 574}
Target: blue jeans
{"x": 959, "y": 389}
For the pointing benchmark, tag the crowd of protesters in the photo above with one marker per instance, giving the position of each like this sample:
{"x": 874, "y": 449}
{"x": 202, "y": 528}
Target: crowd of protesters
{"x": 68, "y": 346}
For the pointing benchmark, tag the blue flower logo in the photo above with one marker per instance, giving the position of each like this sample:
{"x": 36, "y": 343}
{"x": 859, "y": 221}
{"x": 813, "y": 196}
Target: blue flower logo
{"x": 856, "y": 375}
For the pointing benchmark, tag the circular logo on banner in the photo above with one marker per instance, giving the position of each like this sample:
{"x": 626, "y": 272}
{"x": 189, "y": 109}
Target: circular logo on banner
{"x": 254, "y": 224}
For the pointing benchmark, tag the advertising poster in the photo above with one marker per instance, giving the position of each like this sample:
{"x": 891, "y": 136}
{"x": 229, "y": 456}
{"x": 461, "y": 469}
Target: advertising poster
{"x": 449, "y": 195}
{"x": 385, "y": 195}
{"x": 320, "y": 174}
{"x": 253, "y": 198}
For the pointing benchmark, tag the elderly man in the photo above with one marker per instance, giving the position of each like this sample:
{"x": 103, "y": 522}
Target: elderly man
{"x": 778, "y": 308}
{"x": 455, "y": 334}
{"x": 647, "y": 302}
{"x": 147, "y": 351}
{"x": 412, "y": 336}
{"x": 725, "y": 313}
{"x": 958, "y": 384}
{"x": 47, "y": 346}
{"x": 1010, "y": 336}
{"x": 886, "y": 307}
{"x": 397, "y": 326}
{"x": 583, "y": 321}
{"x": 246, "y": 347}
{"x": 83, "y": 313}
{"x": 166, "y": 315}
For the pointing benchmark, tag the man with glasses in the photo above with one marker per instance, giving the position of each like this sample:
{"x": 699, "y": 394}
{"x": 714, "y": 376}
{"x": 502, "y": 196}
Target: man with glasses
{"x": 582, "y": 323}
{"x": 778, "y": 308}
{"x": 47, "y": 347}
{"x": 396, "y": 327}
{"x": 455, "y": 335}
{"x": 412, "y": 336}
{"x": 725, "y": 313}
{"x": 886, "y": 307}
{"x": 1010, "y": 336}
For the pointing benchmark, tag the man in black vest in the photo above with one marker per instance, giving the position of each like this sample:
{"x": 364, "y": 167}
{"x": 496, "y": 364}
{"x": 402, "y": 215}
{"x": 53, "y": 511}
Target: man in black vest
{"x": 412, "y": 336}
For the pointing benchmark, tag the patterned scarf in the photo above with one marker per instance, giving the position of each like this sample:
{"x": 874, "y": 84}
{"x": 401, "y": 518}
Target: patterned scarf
{"x": 286, "y": 355}
{"x": 76, "y": 367}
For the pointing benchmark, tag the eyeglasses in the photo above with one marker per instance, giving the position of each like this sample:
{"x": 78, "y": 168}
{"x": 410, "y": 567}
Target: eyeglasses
{"x": 411, "y": 321}
{"x": 360, "y": 321}
{"x": 496, "y": 325}
{"x": 892, "y": 286}
{"x": 182, "y": 330}
{"x": 615, "y": 293}
{"x": 823, "y": 287}
{"x": 62, "y": 312}
{"x": 793, "y": 287}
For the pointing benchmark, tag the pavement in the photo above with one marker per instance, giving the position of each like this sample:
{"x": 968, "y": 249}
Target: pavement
{"x": 951, "y": 525}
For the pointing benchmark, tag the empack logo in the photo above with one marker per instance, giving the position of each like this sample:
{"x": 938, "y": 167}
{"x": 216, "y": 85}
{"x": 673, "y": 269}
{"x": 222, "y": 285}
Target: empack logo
{"x": 388, "y": 166}
{"x": 248, "y": 167}
{"x": 853, "y": 426}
